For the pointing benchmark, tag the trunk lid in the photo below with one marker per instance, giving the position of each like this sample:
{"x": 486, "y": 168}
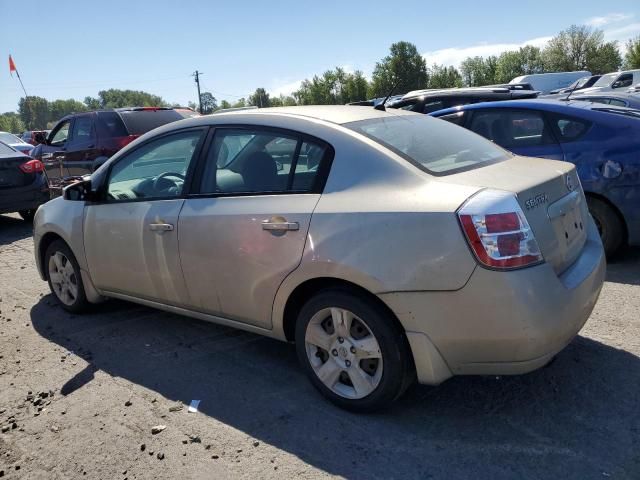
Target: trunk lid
{"x": 551, "y": 197}
{"x": 10, "y": 174}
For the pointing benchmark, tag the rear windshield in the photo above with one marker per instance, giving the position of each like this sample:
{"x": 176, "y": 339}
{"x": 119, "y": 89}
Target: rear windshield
{"x": 139, "y": 122}
{"x": 432, "y": 144}
{"x": 6, "y": 149}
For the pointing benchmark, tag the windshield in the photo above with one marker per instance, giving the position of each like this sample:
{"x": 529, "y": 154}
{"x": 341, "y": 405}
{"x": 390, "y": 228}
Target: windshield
{"x": 606, "y": 80}
{"x": 434, "y": 145}
{"x": 9, "y": 138}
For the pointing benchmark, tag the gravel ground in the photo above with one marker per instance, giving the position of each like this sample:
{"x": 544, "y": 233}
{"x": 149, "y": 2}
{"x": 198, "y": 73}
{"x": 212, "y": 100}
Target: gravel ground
{"x": 80, "y": 395}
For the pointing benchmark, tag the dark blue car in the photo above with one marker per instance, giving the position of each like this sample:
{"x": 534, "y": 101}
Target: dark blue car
{"x": 603, "y": 141}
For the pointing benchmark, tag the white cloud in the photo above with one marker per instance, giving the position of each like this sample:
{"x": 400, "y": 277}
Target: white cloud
{"x": 455, "y": 55}
{"x": 607, "y": 19}
{"x": 285, "y": 89}
{"x": 622, "y": 34}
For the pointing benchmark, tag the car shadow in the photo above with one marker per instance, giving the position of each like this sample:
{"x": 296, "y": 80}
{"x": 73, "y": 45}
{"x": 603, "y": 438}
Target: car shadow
{"x": 13, "y": 228}
{"x": 625, "y": 267}
{"x": 579, "y": 414}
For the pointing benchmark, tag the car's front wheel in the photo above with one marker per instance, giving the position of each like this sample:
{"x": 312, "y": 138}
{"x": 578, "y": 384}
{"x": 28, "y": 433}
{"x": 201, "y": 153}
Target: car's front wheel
{"x": 63, "y": 274}
{"x": 352, "y": 350}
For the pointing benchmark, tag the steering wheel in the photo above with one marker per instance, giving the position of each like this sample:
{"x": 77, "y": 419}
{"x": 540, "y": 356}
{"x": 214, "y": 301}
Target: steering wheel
{"x": 159, "y": 178}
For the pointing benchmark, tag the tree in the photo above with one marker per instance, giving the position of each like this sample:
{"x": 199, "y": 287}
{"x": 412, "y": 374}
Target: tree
{"x": 478, "y": 71}
{"x": 355, "y": 88}
{"x": 259, "y": 98}
{"x": 114, "y": 98}
{"x": 60, "y": 108}
{"x": 444, "y": 77}
{"x": 34, "y": 112}
{"x": 209, "y": 103}
{"x": 404, "y": 69}
{"x": 225, "y": 104}
{"x": 241, "y": 102}
{"x": 10, "y": 122}
{"x": 333, "y": 87}
{"x": 632, "y": 57}
{"x": 581, "y": 48}
{"x": 92, "y": 103}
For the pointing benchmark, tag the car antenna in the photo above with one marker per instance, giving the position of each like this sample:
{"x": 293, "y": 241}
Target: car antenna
{"x": 570, "y": 92}
{"x": 381, "y": 106}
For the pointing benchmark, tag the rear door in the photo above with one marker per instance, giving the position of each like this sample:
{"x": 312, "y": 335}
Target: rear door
{"x": 522, "y": 131}
{"x": 246, "y": 228}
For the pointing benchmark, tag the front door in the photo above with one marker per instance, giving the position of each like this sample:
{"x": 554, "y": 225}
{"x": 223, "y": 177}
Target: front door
{"x": 522, "y": 131}
{"x": 246, "y": 229}
{"x": 54, "y": 149}
{"x": 131, "y": 237}
{"x": 81, "y": 148}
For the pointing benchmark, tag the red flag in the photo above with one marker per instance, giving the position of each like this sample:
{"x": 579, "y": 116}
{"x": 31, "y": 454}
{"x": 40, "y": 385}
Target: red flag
{"x": 12, "y": 66}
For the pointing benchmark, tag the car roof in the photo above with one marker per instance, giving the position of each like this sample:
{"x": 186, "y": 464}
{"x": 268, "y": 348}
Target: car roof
{"x": 466, "y": 91}
{"x": 338, "y": 114}
{"x": 539, "y": 103}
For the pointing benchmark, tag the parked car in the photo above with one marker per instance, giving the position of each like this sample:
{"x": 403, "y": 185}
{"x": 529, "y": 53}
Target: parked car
{"x": 611, "y": 98}
{"x": 23, "y": 184}
{"x": 16, "y": 142}
{"x": 620, "y": 81}
{"x": 580, "y": 84}
{"x": 426, "y": 101}
{"x": 603, "y": 141}
{"x": 387, "y": 245}
{"x": 634, "y": 89}
{"x": 34, "y": 137}
{"x": 81, "y": 142}
{"x": 545, "y": 82}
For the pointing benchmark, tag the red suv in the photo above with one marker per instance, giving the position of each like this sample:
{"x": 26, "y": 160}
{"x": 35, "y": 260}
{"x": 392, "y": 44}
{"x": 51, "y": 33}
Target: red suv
{"x": 81, "y": 142}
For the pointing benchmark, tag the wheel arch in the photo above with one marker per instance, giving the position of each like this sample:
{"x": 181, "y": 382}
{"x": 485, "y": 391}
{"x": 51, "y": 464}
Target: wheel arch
{"x": 614, "y": 208}
{"x": 46, "y": 240}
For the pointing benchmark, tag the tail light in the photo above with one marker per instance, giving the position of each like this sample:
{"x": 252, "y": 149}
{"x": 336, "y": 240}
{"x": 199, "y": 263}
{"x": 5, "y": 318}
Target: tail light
{"x": 122, "y": 142}
{"x": 498, "y": 231}
{"x": 32, "y": 166}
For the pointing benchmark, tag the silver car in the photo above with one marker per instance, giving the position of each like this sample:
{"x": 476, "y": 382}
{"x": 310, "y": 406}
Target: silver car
{"x": 389, "y": 246}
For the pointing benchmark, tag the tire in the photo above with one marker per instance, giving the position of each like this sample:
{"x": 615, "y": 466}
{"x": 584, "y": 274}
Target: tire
{"x": 609, "y": 225}
{"x": 27, "y": 215}
{"x": 373, "y": 356}
{"x": 63, "y": 275}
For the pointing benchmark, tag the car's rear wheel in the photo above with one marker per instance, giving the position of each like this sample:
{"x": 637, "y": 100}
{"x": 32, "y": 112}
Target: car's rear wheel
{"x": 609, "y": 225}
{"x": 63, "y": 274}
{"x": 27, "y": 215}
{"x": 352, "y": 350}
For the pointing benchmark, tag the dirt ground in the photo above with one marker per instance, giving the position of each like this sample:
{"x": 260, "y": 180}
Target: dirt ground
{"x": 79, "y": 396}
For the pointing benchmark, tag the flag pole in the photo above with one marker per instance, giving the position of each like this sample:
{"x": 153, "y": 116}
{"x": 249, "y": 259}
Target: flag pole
{"x": 12, "y": 68}
{"x": 21, "y": 84}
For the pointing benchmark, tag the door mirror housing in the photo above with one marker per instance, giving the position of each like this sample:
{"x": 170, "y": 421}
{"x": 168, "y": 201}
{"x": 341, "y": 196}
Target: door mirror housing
{"x": 79, "y": 190}
{"x": 617, "y": 84}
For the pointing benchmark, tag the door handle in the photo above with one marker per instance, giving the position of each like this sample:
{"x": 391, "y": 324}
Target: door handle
{"x": 280, "y": 226}
{"x": 160, "y": 227}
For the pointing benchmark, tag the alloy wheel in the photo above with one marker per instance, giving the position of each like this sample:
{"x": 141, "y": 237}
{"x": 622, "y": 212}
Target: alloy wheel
{"x": 343, "y": 352}
{"x": 63, "y": 278}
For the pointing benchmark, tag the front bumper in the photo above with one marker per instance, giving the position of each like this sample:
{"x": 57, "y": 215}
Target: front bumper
{"x": 24, "y": 198}
{"x": 501, "y": 322}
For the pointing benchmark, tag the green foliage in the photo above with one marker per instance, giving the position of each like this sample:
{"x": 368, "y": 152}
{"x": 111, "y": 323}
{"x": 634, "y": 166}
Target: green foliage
{"x": 581, "y": 48}
{"x": 444, "y": 77}
{"x": 333, "y": 87}
{"x": 114, "y": 98}
{"x": 239, "y": 103}
{"x": 632, "y": 57}
{"x": 60, "y": 108}
{"x": 34, "y": 112}
{"x": 260, "y": 98}
{"x": 92, "y": 103}
{"x": 478, "y": 71}
{"x": 403, "y": 70}
{"x": 11, "y": 122}
{"x": 209, "y": 103}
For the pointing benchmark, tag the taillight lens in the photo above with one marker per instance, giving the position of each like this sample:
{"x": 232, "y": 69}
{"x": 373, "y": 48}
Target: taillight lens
{"x": 122, "y": 142}
{"x": 32, "y": 166}
{"x": 498, "y": 231}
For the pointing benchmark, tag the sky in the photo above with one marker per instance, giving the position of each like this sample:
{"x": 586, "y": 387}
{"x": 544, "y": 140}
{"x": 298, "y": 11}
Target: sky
{"x": 73, "y": 49}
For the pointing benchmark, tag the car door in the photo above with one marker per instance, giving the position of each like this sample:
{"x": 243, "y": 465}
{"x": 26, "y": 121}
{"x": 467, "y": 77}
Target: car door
{"x": 522, "y": 131}
{"x": 56, "y": 144}
{"x": 245, "y": 229}
{"x": 131, "y": 235}
{"x": 81, "y": 146}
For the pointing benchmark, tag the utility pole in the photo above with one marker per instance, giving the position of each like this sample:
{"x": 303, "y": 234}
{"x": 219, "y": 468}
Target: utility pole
{"x": 197, "y": 75}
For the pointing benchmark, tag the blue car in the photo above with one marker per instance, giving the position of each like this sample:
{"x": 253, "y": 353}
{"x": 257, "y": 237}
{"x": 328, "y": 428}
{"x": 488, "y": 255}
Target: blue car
{"x": 603, "y": 141}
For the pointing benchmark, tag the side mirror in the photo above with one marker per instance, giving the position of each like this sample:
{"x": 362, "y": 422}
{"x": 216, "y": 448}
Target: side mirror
{"x": 78, "y": 191}
{"x": 616, "y": 84}
{"x": 279, "y": 166}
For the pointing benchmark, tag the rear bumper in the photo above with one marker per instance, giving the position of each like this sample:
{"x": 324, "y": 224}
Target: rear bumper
{"x": 24, "y": 198}
{"x": 502, "y": 322}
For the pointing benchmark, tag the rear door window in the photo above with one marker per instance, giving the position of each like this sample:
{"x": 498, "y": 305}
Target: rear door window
{"x": 568, "y": 129}
{"x": 512, "y": 128}
{"x": 113, "y": 124}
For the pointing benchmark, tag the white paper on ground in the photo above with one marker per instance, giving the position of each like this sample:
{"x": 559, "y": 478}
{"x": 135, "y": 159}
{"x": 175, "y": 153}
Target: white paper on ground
{"x": 193, "y": 407}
